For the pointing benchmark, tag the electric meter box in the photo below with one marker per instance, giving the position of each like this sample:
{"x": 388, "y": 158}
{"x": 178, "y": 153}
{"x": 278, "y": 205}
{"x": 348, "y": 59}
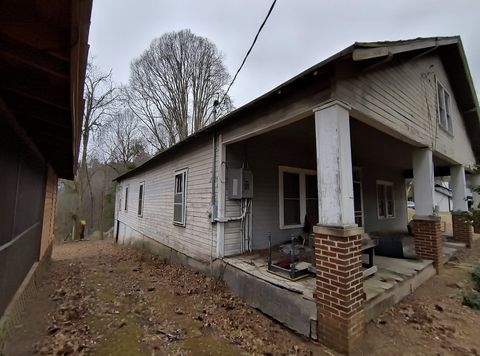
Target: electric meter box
{"x": 239, "y": 183}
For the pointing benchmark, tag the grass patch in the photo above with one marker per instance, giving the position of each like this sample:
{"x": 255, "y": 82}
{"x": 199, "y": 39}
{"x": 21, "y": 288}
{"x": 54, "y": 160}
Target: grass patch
{"x": 107, "y": 295}
{"x": 123, "y": 341}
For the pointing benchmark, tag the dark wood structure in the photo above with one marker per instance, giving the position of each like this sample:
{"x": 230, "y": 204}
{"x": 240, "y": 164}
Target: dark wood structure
{"x": 43, "y": 56}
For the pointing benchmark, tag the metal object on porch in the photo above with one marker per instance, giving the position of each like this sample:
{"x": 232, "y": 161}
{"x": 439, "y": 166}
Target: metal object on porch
{"x": 290, "y": 266}
{"x": 368, "y": 247}
{"x": 394, "y": 244}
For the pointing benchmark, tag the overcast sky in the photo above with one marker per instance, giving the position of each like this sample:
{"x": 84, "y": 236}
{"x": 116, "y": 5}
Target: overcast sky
{"x": 298, "y": 34}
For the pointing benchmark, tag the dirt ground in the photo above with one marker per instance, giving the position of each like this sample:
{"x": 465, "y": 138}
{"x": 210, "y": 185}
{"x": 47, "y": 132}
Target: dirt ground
{"x": 104, "y": 299}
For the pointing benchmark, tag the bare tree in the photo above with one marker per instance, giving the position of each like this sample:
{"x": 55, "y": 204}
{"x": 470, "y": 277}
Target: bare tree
{"x": 174, "y": 84}
{"x": 121, "y": 141}
{"x": 100, "y": 97}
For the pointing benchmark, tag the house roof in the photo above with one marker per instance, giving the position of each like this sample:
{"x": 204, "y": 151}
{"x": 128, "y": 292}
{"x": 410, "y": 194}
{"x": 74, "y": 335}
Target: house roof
{"x": 43, "y": 56}
{"x": 451, "y": 52}
{"x": 443, "y": 190}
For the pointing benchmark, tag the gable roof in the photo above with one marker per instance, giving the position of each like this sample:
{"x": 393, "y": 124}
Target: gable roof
{"x": 450, "y": 50}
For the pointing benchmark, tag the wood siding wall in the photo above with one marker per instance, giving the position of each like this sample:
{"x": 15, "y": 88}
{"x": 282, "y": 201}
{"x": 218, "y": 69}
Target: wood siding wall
{"x": 22, "y": 183}
{"x": 49, "y": 211}
{"x": 400, "y": 98}
{"x": 198, "y": 238}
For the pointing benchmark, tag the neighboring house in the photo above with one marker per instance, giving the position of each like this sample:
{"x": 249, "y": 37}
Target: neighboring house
{"x": 443, "y": 198}
{"x": 42, "y": 68}
{"x": 333, "y": 144}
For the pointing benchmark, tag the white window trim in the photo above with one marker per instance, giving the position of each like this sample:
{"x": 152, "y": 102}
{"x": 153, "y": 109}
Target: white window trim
{"x": 448, "y": 113}
{"x": 143, "y": 199}
{"x": 127, "y": 190}
{"x": 185, "y": 187}
{"x": 385, "y": 183}
{"x": 359, "y": 169}
{"x": 303, "y": 201}
{"x": 120, "y": 196}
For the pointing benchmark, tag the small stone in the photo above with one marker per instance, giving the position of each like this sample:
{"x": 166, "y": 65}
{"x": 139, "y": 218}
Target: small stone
{"x": 151, "y": 289}
{"x": 460, "y": 285}
{"x": 53, "y": 329}
{"x": 179, "y": 311}
{"x": 439, "y": 308}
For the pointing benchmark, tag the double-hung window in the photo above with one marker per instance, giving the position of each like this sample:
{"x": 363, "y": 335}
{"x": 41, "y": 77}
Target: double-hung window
{"x": 141, "y": 195}
{"x": 444, "y": 109}
{"x": 298, "y": 197}
{"x": 179, "y": 200}
{"x": 385, "y": 200}
{"x": 126, "y": 198}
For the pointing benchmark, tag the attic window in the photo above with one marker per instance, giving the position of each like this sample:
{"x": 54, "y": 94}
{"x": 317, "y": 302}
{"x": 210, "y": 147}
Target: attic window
{"x": 444, "y": 109}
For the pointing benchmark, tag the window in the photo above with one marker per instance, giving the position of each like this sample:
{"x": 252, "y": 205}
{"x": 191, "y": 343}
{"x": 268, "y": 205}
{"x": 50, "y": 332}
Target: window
{"x": 120, "y": 193}
{"x": 179, "y": 200}
{"x": 126, "y": 198}
{"x": 141, "y": 193}
{"x": 444, "y": 112}
{"x": 298, "y": 197}
{"x": 385, "y": 200}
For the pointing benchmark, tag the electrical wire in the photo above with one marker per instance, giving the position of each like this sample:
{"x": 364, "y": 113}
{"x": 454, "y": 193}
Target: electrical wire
{"x": 250, "y": 49}
{"x": 246, "y": 56}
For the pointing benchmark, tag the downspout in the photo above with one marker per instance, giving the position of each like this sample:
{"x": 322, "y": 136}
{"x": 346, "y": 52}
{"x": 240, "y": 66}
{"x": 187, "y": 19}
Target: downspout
{"x": 213, "y": 208}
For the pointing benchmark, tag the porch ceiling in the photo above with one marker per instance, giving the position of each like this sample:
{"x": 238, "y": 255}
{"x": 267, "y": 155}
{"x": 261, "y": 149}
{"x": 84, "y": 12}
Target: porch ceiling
{"x": 370, "y": 145}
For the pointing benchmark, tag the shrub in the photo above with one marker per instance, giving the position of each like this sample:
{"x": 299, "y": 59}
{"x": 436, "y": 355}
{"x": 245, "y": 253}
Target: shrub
{"x": 472, "y": 300}
{"x": 475, "y": 277}
{"x": 476, "y": 220}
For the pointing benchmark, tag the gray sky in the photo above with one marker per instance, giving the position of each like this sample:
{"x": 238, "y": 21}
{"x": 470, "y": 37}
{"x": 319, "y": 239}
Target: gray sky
{"x": 298, "y": 34}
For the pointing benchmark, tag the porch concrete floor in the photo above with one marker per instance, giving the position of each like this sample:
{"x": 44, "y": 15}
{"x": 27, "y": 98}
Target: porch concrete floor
{"x": 395, "y": 278}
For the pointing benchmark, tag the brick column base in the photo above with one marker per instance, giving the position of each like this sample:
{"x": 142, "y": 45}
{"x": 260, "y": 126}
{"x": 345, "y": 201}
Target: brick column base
{"x": 428, "y": 240}
{"x": 462, "y": 231}
{"x": 339, "y": 291}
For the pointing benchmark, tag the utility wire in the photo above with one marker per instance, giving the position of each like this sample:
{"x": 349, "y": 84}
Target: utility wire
{"x": 248, "y": 53}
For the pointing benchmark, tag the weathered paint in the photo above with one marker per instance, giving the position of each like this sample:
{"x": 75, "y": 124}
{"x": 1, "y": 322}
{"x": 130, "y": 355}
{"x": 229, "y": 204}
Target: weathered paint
{"x": 459, "y": 188}
{"x": 424, "y": 182}
{"x": 334, "y": 165}
{"x": 399, "y": 98}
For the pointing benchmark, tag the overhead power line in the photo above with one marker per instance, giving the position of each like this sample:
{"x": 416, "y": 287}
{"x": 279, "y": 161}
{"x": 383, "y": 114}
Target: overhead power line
{"x": 249, "y": 50}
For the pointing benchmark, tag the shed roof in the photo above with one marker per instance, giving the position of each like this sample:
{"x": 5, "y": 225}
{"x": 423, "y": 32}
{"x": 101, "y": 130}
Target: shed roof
{"x": 450, "y": 50}
{"x": 43, "y": 56}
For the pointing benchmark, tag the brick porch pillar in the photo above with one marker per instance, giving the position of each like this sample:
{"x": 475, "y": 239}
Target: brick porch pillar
{"x": 462, "y": 230}
{"x": 338, "y": 258}
{"x": 428, "y": 240}
{"x": 339, "y": 289}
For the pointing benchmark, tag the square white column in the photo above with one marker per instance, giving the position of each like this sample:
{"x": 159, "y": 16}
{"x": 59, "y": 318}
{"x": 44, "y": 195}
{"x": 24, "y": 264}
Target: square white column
{"x": 458, "y": 186}
{"x": 334, "y": 165}
{"x": 475, "y": 183}
{"x": 423, "y": 182}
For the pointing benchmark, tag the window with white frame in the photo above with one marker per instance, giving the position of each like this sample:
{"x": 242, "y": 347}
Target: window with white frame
{"x": 120, "y": 193}
{"x": 444, "y": 106}
{"x": 179, "y": 200}
{"x": 385, "y": 200}
{"x": 298, "y": 197}
{"x": 126, "y": 199}
{"x": 141, "y": 196}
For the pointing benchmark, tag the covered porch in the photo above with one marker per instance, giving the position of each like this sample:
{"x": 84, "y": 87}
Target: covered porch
{"x": 330, "y": 181}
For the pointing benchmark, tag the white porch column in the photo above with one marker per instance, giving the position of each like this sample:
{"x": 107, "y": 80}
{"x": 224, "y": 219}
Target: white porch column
{"x": 334, "y": 165}
{"x": 475, "y": 182}
{"x": 459, "y": 188}
{"x": 423, "y": 182}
